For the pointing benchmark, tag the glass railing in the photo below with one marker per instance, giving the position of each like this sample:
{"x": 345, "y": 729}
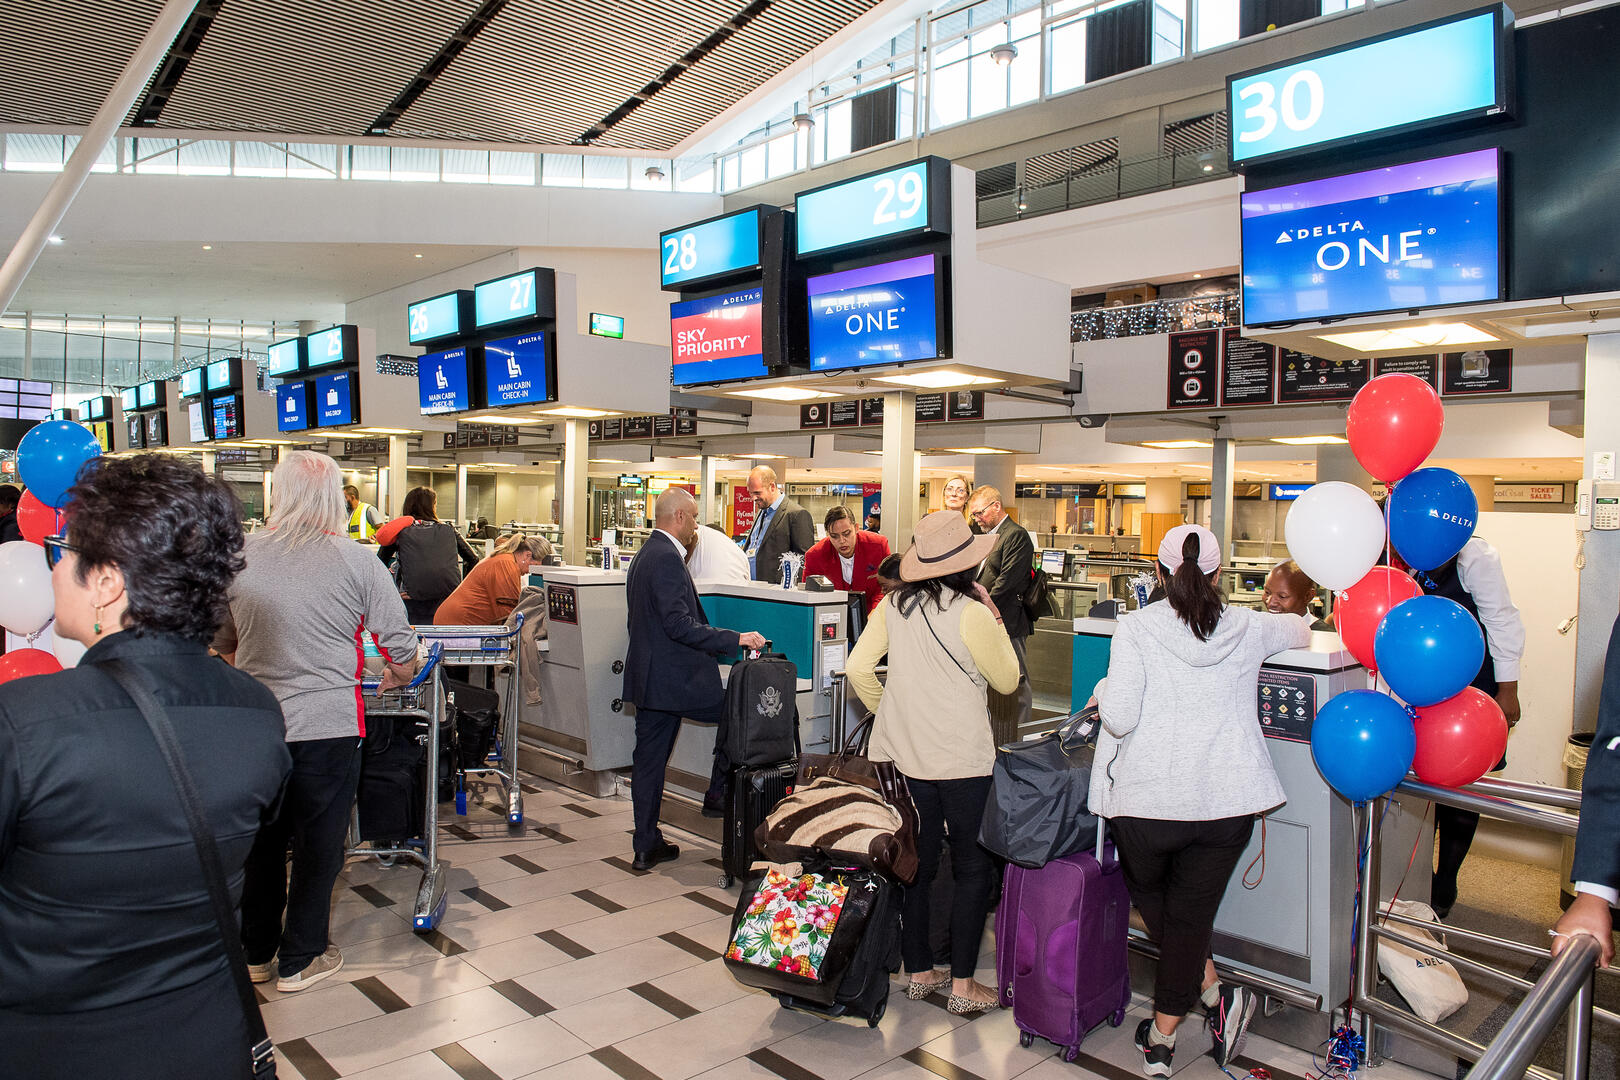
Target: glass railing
{"x": 1103, "y": 183}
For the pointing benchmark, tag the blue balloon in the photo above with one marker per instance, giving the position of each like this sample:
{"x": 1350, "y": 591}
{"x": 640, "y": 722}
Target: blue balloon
{"x": 1432, "y": 513}
{"x": 50, "y": 456}
{"x": 1428, "y": 649}
{"x": 1363, "y": 743}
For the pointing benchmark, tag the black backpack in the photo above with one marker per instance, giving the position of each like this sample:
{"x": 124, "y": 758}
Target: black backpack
{"x": 762, "y": 712}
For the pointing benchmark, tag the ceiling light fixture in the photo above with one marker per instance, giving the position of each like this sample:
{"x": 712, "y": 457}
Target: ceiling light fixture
{"x": 783, "y": 393}
{"x": 973, "y": 450}
{"x": 938, "y": 379}
{"x": 654, "y": 173}
{"x": 608, "y": 461}
{"x": 1004, "y": 54}
{"x": 208, "y": 247}
{"x": 576, "y": 412}
{"x": 418, "y": 255}
{"x": 802, "y": 123}
{"x": 54, "y": 239}
{"x": 387, "y": 431}
{"x": 1431, "y": 336}
{"x": 1310, "y": 440}
{"x": 511, "y": 421}
{"x": 1180, "y": 444}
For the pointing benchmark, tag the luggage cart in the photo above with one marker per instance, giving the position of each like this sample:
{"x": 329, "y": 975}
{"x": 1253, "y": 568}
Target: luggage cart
{"x": 493, "y": 647}
{"x": 421, "y": 699}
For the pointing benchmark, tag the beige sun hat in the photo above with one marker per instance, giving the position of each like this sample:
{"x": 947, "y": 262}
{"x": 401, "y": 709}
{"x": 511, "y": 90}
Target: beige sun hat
{"x": 944, "y": 544}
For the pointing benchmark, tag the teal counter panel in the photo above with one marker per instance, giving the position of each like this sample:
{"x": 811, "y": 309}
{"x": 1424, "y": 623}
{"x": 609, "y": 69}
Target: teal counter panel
{"x": 791, "y": 628}
{"x": 1090, "y": 666}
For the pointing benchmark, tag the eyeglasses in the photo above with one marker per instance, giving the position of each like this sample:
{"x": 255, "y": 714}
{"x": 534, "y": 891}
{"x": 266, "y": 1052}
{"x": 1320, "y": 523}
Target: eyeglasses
{"x": 54, "y": 546}
{"x": 981, "y": 511}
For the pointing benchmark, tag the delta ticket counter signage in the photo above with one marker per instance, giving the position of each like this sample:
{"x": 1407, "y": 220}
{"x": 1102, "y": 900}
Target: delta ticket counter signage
{"x": 444, "y": 381}
{"x": 1441, "y": 73}
{"x": 886, "y": 313}
{"x": 885, "y": 208}
{"x": 708, "y": 252}
{"x": 718, "y": 338}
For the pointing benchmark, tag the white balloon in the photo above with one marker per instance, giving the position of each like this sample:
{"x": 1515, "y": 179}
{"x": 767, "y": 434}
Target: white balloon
{"x": 66, "y": 650}
{"x": 26, "y": 601}
{"x": 1336, "y": 533}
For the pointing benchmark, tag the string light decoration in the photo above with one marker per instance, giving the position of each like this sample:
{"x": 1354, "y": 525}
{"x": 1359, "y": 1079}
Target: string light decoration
{"x": 1156, "y": 317}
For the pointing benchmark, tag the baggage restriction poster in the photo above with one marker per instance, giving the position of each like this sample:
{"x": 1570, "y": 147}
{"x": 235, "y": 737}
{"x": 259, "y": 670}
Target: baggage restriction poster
{"x": 1248, "y": 370}
{"x": 1480, "y": 371}
{"x": 1303, "y": 379}
{"x": 1195, "y": 359}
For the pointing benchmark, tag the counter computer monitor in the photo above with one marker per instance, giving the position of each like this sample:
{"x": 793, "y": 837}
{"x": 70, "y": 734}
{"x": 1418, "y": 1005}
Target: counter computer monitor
{"x": 886, "y": 313}
{"x": 157, "y": 429}
{"x": 191, "y": 383}
{"x": 225, "y": 414}
{"x": 287, "y": 357}
{"x": 197, "y": 421}
{"x": 1052, "y": 563}
{"x": 718, "y": 337}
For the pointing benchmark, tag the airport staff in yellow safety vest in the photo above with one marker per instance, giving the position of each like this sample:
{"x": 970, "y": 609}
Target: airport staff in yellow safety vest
{"x": 364, "y": 520}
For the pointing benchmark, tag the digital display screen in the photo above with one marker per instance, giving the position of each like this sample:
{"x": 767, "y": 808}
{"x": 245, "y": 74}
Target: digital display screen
{"x": 191, "y": 383}
{"x": 148, "y": 394}
{"x": 336, "y": 400}
{"x": 711, "y": 249}
{"x": 96, "y": 408}
{"x": 197, "y": 421}
{"x": 136, "y": 426}
{"x": 509, "y": 299}
{"x": 103, "y": 433}
{"x": 332, "y": 348}
{"x": 33, "y": 400}
{"x": 718, "y": 337}
{"x": 292, "y": 406}
{"x": 226, "y": 413}
{"x": 1411, "y": 236}
{"x": 519, "y": 371}
{"x": 1423, "y": 75}
{"x": 883, "y": 314}
{"x": 286, "y": 357}
{"x": 442, "y": 382}
{"x": 439, "y": 317}
{"x": 607, "y": 325}
{"x": 865, "y": 208}
{"x": 225, "y": 374}
{"x": 157, "y": 429}
{"x": 1286, "y": 492}
{"x": 1052, "y": 563}
{"x": 128, "y": 400}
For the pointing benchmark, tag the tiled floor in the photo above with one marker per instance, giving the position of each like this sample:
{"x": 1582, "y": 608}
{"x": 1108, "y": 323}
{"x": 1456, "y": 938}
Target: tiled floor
{"x": 557, "y": 961}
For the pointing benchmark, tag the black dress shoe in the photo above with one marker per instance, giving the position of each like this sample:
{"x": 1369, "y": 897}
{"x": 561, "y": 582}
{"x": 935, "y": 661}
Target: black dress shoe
{"x": 646, "y": 860}
{"x": 714, "y": 808}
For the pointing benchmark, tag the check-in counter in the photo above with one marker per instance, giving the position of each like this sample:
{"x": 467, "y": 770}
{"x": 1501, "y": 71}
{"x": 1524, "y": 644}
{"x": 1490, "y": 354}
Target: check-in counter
{"x": 1293, "y": 928}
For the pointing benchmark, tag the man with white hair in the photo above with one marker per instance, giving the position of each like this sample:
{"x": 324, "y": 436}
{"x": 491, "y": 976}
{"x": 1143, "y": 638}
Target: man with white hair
{"x": 780, "y": 526}
{"x": 299, "y": 612}
{"x": 670, "y": 668}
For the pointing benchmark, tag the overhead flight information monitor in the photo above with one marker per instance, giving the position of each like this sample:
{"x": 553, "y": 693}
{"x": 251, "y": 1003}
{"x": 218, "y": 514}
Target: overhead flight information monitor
{"x": 520, "y": 370}
{"x": 226, "y": 415}
{"x": 440, "y": 317}
{"x": 337, "y": 347}
{"x": 1422, "y": 235}
{"x": 1427, "y": 75}
{"x": 718, "y": 337}
{"x": 720, "y": 247}
{"x": 442, "y": 382}
{"x": 527, "y": 294}
{"x": 287, "y": 357}
{"x": 129, "y": 400}
{"x": 906, "y": 200}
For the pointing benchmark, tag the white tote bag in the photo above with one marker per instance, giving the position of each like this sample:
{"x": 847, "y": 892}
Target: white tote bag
{"x": 1429, "y": 984}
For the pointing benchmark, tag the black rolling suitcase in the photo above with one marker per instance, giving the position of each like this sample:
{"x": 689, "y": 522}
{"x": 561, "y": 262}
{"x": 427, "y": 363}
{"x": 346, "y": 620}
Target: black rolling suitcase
{"x": 478, "y": 714}
{"x": 761, "y": 723}
{"x": 754, "y": 790}
{"x": 845, "y": 944}
{"x": 390, "y": 800}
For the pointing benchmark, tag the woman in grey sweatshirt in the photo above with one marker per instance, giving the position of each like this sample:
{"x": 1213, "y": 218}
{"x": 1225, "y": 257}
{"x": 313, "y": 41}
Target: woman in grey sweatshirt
{"x": 1182, "y": 770}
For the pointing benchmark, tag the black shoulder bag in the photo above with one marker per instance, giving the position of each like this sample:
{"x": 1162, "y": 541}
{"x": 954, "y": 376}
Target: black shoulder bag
{"x": 262, "y": 1053}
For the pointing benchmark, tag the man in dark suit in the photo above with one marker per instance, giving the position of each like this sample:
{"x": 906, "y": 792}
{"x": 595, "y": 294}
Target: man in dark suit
{"x": 1596, "y": 870}
{"x": 1005, "y": 576}
{"x": 669, "y": 669}
{"x": 848, "y": 556}
{"x": 780, "y": 526}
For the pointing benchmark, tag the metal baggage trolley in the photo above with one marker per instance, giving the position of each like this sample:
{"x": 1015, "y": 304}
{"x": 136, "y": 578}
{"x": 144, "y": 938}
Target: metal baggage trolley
{"x": 494, "y": 647}
{"x": 421, "y": 699}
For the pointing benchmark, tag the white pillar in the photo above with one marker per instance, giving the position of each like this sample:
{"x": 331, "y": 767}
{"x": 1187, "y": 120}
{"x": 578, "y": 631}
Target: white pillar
{"x": 1600, "y": 578}
{"x": 1000, "y": 471}
{"x": 1335, "y": 461}
{"x": 268, "y": 494}
{"x": 898, "y": 497}
{"x": 708, "y": 476}
{"x": 461, "y": 495}
{"x": 398, "y": 485}
{"x": 576, "y": 470}
{"x": 1222, "y": 460}
{"x": 207, "y": 457}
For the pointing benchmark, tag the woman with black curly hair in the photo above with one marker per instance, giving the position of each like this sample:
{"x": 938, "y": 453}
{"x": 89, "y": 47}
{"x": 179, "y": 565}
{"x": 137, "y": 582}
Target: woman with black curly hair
{"x": 111, "y": 962}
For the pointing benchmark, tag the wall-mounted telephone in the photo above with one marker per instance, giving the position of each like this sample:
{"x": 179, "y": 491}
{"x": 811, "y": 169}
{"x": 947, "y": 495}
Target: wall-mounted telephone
{"x": 1597, "y": 505}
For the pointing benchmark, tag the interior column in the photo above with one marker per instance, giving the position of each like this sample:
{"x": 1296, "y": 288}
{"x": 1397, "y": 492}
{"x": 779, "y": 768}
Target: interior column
{"x": 461, "y": 495}
{"x": 1222, "y": 460}
{"x": 398, "y": 448}
{"x": 708, "y": 476}
{"x": 1600, "y": 577}
{"x": 898, "y": 498}
{"x": 1334, "y": 461}
{"x": 575, "y": 476}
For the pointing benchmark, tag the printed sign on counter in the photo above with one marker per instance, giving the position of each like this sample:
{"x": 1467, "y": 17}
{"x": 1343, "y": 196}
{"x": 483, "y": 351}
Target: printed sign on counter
{"x": 742, "y": 511}
{"x": 1302, "y": 378}
{"x": 965, "y": 404}
{"x": 1194, "y": 369}
{"x": 1248, "y": 370}
{"x": 1287, "y": 704}
{"x": 1478, "y": 371}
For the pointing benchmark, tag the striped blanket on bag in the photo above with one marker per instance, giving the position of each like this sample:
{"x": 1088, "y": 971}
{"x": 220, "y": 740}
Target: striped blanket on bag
{"x": 841, "y": 819}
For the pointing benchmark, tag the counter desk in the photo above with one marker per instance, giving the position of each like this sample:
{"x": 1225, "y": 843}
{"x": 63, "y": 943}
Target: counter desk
{"x": 1293, "y": 928}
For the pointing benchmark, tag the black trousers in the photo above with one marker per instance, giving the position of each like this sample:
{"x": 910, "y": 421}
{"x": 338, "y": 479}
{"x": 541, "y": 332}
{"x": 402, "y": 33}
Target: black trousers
{"x": 420, "y": 612}
{"x": 656, "y": 731}
{"x": 313, "y": 822}
{"x": 959, "y": 806}
{"x": 1176, "y": 872}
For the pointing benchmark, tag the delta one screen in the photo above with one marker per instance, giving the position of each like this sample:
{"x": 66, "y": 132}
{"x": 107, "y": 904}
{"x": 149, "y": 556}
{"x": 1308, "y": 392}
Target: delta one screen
{"x": 718, "y": 338}
{"x": 441, "y": 382}
{"x": 1397, "y": 239}
{"x": 883, "y": 314}
{"x": 517, "y": 371}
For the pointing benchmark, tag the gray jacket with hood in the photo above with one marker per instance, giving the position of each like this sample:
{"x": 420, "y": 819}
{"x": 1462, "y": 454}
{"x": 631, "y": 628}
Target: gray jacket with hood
{"x": 1180, "y": 737}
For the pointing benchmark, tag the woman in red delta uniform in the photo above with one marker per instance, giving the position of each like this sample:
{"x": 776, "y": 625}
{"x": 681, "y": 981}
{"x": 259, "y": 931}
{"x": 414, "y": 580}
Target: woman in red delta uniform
{"x": 848, "y": 556}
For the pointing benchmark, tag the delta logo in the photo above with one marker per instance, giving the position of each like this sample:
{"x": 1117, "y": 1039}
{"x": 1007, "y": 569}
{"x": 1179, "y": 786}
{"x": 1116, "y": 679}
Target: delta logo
{"x": 1388, "y": 249}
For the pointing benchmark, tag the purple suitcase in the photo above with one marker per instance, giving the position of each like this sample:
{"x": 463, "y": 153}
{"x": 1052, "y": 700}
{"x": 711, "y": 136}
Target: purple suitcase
{"x": 1060, "y": 948}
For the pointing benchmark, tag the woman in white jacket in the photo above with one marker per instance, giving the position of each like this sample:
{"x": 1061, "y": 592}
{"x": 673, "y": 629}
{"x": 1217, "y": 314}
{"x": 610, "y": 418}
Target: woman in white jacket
{"x": 1182, "y": 770}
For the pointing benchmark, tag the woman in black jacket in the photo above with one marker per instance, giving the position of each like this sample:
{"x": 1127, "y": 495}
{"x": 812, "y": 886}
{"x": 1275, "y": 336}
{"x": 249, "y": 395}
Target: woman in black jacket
{"x": 111, "y": 962}
{"x": 427, "y": 550}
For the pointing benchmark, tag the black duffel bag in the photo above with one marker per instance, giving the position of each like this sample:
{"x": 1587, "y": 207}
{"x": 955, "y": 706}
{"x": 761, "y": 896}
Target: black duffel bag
{"x": 1037, "y": 811}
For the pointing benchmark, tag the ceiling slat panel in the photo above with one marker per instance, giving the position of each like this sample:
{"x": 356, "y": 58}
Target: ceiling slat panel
{"x": 58, "y": 61}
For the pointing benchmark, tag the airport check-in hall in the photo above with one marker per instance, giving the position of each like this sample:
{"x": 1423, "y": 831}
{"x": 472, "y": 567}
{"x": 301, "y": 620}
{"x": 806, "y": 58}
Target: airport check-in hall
{"x": 819, "y": 540}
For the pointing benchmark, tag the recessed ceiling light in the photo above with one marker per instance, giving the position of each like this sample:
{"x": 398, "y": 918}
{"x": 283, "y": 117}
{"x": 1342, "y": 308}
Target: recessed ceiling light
{"x": 1310, "y": 440}
{"x": 608, "y": 461}
{"x": 1411, "y": 337}
{"x": 54, "y": 239}
{"x": 1198, "y": 275}
{"x": 513, "y": 421}
{"x": 765, "y": 457}
{"x": 783, "y": 393}
{"x": 418, "y": 255}
{"x": 973, "y": 450}
{"x": 1180, "y": 444}
{"x": 937, "y": 380}
{"x": 387, "y": 431}
{"x": 575, "y": 412}
{"x": 208, "y": 247}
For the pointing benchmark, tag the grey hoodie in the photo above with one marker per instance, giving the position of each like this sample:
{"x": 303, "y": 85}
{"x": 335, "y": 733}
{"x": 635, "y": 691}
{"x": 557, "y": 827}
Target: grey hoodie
{"x": 1180, "y": 736}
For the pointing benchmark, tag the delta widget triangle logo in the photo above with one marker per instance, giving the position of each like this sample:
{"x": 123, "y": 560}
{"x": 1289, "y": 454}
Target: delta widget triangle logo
{"x": 770, "y": 702}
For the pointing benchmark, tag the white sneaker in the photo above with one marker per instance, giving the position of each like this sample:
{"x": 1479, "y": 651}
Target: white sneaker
{"x": 329, "y": 962}
{"x": 262, "y": 973}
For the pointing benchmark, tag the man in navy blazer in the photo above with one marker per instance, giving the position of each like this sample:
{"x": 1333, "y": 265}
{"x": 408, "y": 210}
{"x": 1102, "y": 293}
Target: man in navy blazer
{"x": 1596, "y": 871}
{"x": 670, "y": 670}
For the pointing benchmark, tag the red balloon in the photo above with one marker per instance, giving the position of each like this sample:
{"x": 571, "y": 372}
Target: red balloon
{"x": 35, "y": 519}
{"x": 1393, "y": 424}
{"x": 1363, "y": 606}
{"x": 25, "y": 662}
{"x": 1460, "y": 739}
{"x": 389, "y": 532}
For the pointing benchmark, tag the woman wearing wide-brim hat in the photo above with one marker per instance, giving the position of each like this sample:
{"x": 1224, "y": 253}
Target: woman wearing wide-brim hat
{"x": 945, "y": 643}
